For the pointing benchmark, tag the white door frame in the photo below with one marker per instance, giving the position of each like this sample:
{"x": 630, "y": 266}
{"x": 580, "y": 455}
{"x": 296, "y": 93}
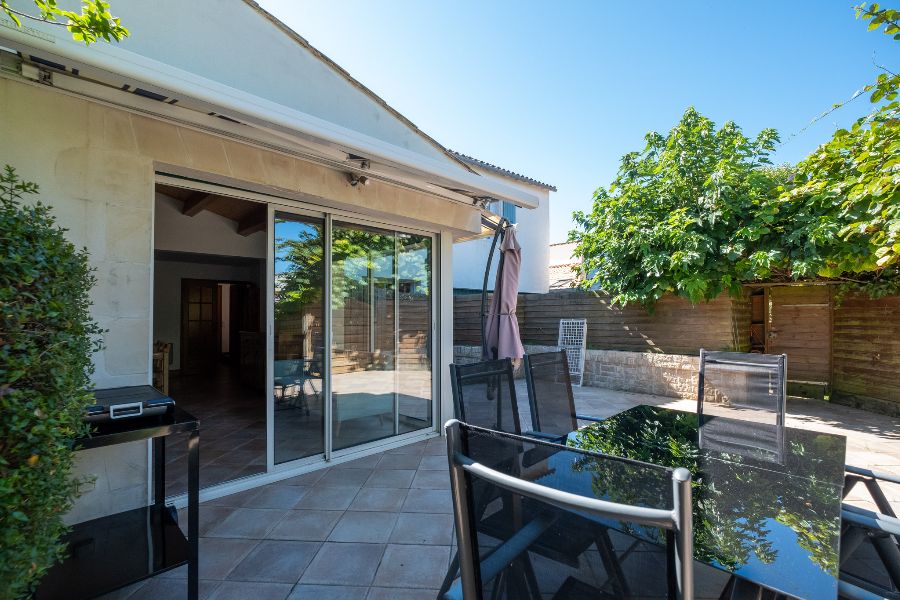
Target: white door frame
{"x": 276, "y": 472}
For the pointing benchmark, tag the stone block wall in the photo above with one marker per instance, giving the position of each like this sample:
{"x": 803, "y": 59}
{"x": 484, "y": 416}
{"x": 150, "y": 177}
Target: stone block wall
{"x": 670, "y": 375}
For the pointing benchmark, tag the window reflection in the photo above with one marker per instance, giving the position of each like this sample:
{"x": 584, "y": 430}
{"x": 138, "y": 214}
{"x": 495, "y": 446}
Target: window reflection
{"x": 299, "y": 337}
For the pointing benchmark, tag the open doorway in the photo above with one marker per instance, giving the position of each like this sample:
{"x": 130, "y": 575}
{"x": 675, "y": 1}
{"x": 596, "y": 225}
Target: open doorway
{"x": 209, "y": 276}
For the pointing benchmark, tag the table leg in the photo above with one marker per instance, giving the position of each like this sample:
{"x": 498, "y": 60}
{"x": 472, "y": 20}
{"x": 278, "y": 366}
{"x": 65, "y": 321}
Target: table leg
{"x": 193, "y": 514}
{"x": 159, "y": 470}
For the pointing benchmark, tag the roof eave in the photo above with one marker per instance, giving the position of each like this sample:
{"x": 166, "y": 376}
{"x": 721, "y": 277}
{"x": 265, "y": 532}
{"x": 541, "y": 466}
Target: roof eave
{"x": 254, "y": 109}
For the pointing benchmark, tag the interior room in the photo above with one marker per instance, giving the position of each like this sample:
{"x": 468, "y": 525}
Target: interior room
{"x": 208, "y": 328}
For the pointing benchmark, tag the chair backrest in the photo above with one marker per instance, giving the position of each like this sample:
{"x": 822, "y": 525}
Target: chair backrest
{"x": 553, "y": 496}
{"x": 550, "y": 393}
{"x": 737, "y": 383}
{"x": 741, "y": 401}
{"x": 484, "y": 394}
{"x": 287, "y": 368}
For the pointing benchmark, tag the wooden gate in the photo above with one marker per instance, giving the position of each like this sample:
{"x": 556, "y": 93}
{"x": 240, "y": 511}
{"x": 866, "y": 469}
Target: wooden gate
{"x": 799, "y": 325}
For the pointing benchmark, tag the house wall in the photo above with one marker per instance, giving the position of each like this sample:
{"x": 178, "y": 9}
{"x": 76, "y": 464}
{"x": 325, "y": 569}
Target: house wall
{"x": 202, "y": 41}
{"x": 95, "y": 165}
{"x": 533, "y": 233}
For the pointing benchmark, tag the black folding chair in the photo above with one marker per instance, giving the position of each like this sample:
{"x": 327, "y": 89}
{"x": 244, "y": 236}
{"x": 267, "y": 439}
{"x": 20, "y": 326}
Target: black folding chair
{"x": 741, "y": 402}
{"x": 291, "y": 376}
{"x": 550, "y": 396}
{"x": 550, "y": 484}
{"x": 484, "y": 394}
{"x": 870, "y": 540}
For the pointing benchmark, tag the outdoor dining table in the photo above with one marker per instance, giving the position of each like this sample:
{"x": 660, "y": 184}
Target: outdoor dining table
{"x": 768, "y": 515}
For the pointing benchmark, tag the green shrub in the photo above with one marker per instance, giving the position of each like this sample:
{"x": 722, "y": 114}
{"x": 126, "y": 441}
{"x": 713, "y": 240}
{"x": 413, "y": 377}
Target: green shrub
{"x": 46, "y": 341}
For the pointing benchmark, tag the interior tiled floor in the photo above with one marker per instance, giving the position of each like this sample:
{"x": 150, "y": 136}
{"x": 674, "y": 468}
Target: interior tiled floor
{"x": 381, "y": 526}
{"x": 233, "y": 426}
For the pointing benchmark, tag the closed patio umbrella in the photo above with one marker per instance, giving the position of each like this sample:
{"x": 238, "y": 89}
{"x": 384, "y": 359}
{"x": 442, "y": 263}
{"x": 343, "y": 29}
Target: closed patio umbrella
{"x": 501, "y": 335}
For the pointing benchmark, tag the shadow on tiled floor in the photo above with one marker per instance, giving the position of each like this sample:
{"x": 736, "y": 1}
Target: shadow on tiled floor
{"x": 380, "y": 527}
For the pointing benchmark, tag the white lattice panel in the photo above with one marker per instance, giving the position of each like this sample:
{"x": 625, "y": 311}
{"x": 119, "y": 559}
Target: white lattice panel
{"x": 573, "y": 339}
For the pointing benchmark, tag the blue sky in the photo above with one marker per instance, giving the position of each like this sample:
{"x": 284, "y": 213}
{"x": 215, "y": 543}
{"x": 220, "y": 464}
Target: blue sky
{"x": 560, "y": 91}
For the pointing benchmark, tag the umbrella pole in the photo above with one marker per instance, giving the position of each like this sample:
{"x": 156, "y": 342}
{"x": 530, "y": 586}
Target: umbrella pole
{"x": 498, "y": 230}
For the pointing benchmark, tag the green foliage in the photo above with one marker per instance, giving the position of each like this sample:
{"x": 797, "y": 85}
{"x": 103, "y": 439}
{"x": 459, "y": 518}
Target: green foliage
{"x": 733, "y": 500}
{"x": 700, "y": 211}
{"x": 92, "y": 23}
{"x": 46, "y": 341}
{"x": 690, "y": 214}
{"x": 845, "y": 205}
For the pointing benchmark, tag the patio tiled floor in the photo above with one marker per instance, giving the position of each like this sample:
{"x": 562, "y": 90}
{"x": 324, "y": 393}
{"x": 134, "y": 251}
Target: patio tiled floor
{"x": 381, "y": 526}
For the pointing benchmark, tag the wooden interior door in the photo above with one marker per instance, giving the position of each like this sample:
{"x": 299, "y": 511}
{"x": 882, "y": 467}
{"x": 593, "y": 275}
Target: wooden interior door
{"x": 200, "y": 327}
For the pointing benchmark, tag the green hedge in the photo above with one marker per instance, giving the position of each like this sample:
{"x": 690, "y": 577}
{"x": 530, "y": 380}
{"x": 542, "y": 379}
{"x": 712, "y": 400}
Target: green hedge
{"x": 46, "y": 341}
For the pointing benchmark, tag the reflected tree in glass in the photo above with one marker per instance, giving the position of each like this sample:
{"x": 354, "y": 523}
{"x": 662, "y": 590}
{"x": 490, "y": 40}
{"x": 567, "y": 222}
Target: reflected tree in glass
{"x": 733, "y": 501}
{"x": 299, "y": 337}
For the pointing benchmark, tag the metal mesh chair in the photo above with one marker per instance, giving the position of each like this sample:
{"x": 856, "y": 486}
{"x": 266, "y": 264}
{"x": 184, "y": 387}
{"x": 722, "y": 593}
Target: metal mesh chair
{"x": 550, "y": 395}
{"x": 741, "y": 402}
{"x": 544, "y": 494}
{"x": 290, "y": 378}
{"x": 484, "y": 394}
{"x": 870, "y": 541}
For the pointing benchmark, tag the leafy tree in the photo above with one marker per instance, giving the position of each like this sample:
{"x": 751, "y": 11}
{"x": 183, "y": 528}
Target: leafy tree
{"x": 686, "y": 215}
{"x": 46, "y": 341}
{"x": 92, "y": 23}
{"x": 733, "y": 497}
{"x": 701, "y": 211}
{"x": 845, "y": 205}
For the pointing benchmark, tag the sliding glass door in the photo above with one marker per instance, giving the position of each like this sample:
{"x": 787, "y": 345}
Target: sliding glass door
{"x": 374, "y": 379}
{"x": 381, "y": 341}
{"x": 414, "y": 406}
{"x": 299, "y": 337}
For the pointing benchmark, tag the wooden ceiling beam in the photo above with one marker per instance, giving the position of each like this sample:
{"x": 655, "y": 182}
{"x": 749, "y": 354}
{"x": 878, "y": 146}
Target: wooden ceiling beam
{"x": 196, "y": 203}
{"x": 254, "y": 221}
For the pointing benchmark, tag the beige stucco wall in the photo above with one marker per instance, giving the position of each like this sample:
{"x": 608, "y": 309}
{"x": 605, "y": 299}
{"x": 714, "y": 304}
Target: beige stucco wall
{"x": 95, "y": 166}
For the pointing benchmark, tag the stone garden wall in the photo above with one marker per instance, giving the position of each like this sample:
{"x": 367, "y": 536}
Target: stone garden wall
{"x": 671, "y": 375}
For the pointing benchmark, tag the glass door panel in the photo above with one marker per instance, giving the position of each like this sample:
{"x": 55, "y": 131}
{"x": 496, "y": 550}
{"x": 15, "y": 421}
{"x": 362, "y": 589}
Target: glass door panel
{"x": 414, "y": 336}
{"x": 364, "y": 353}
{"x": 299, "y": 344}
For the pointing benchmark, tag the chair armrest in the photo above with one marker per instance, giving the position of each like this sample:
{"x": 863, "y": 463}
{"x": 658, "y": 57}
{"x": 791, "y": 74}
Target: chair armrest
{"x": 853, "y": 592}
{"x": 589, "y": 418}
{"x": 868, "y": 519}
{"x": 880, "y": 475}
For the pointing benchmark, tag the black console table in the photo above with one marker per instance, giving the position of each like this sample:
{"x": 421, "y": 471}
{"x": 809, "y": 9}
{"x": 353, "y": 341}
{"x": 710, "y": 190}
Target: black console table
{"x": 111, "y": 552}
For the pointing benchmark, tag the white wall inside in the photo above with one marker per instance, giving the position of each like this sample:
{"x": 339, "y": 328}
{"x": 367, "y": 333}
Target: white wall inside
{"x": 205, "y": 233}
{"x": 167, "y": 294}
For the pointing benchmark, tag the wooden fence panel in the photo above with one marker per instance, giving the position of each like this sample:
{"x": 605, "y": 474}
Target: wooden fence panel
{"x": 866, "y": 352}
{"x": 800, "y": 326}
{"x": 675, "y": 327}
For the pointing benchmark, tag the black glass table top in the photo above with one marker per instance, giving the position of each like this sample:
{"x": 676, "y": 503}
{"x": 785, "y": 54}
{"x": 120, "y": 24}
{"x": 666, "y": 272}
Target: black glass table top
{"x": 105, "y": 433}
{"x": 766, "y": 504}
